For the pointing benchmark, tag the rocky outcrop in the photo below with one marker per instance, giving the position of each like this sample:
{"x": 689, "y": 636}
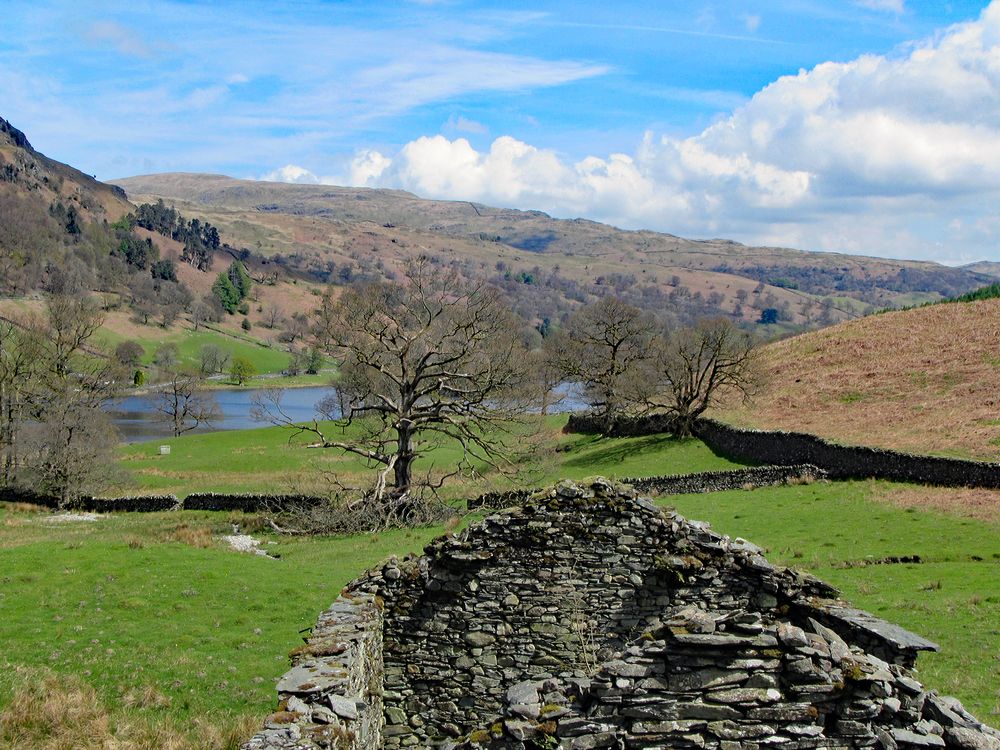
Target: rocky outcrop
{"x": 590, "y": 618}
{"x": 14, "y": 136}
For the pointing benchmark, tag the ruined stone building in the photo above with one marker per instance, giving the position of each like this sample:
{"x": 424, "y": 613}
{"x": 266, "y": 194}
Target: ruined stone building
{"x": 589, "y": 618}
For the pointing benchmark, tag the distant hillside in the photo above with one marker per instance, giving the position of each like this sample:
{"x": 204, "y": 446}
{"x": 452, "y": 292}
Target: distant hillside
{"x": 926, "y": 380}
{"x": 318, "y": 229}
{"x": 24, "y": 170}
{"x": 63, "y": 232}
{"x": 54, "y": 219}
{"x": 989, "y": 268}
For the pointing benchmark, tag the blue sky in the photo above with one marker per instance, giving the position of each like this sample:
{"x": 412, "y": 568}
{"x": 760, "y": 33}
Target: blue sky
{"x": 865, "y": 126}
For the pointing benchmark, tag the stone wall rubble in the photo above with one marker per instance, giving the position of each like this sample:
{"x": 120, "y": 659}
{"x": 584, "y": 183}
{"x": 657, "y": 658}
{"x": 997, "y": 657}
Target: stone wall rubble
{"x": 332, "y": 695}
{"x": 590, "y": 618}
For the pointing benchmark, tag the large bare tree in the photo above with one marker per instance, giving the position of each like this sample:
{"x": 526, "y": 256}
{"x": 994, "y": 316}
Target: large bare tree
{"x": 695, "y": 368}
{"x": 603, "y": 347}
{"x": 426, "y": 359}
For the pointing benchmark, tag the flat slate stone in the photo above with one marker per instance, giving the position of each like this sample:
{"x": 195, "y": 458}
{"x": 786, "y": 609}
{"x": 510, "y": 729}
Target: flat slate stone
{"x": 899, "y": 637}
{"x": 310, "y": 677}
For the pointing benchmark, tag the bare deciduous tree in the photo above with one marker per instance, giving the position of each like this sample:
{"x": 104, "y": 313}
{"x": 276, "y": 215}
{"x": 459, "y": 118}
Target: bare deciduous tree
{"x": 431, "y": 358}
{"x": 64, "y": 443}
{"x": 20, "y": 366}
{"x": 698, "y": 367}
{"x": 71, "y": 323}
{"x": 603, "y": 347}
{"x": 69, "y": 447}
{"x": 324, "y": 320}
{"x": 214, "y": 359}
{"x": 296, "y": 327}
{"x": 272, "y": 316}
{"x": 183, "y": 402}
{"x": 129, "y": 353}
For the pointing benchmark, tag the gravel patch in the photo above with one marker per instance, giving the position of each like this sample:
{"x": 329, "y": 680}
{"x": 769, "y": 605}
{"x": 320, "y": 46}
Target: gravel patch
{"x": 71, "y": 517}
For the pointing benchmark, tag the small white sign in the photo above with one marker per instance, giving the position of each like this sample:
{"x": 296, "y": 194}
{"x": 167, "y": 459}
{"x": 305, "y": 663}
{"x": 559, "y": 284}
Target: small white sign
{"x": 164, "y": 450}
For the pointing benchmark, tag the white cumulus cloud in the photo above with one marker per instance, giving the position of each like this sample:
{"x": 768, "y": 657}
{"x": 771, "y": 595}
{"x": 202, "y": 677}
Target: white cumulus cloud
{"x": 292, "y": 173}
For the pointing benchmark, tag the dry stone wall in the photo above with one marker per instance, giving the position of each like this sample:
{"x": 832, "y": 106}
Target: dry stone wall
{"x": 211, "y": 501}
{"x": 589, "y": 618}
{"x": 780, "y": 447}
{"x": 677, "y": 484}
{"x": 846, "y": 461}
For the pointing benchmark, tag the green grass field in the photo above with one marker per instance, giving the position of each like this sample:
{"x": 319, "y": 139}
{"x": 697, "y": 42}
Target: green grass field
{"x": 124, "y": 604}
{"x": 266, "y": 359}
{"x": 158, "y": 602}
{"x": 264, "y": 460}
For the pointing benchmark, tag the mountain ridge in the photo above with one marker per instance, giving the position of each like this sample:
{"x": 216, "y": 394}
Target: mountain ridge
{"x": 183, "y": 186}
{"x": 339, "y": 224}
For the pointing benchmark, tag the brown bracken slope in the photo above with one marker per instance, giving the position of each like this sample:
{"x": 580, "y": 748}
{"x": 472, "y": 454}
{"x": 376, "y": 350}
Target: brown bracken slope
{"x": 924, "y": 380}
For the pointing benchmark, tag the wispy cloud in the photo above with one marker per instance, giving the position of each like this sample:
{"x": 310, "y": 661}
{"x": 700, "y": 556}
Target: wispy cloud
{"x": 125, "y": 40}
{"x": 301, "y": 82}
{"x": 892, "y": 6}
{"x": 460, "y": 124}
{"x": 674, "y": 30}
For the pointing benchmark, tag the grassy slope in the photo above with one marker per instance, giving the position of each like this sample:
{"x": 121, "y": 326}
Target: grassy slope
{"x": 266, "y": 359}
{"x": 922, "y": 380}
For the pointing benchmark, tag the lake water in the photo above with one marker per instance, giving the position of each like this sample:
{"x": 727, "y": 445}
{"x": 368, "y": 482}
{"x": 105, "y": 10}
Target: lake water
{"x": 138, "y": 419}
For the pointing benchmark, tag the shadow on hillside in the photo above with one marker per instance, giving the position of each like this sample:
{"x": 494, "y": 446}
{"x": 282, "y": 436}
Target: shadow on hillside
{"x": 612, "y": 450}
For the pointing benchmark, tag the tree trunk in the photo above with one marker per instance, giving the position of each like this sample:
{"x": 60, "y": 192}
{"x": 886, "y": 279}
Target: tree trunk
{"x": 682, "y": 425}
{"x": 403, "y": 469}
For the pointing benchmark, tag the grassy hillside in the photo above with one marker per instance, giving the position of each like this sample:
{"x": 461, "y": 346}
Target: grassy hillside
{"x": 925, "y": 380}
{"x": 266, "y": 357}
{"x": 260, "y": 346}
{"x": 30, "y": 174}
